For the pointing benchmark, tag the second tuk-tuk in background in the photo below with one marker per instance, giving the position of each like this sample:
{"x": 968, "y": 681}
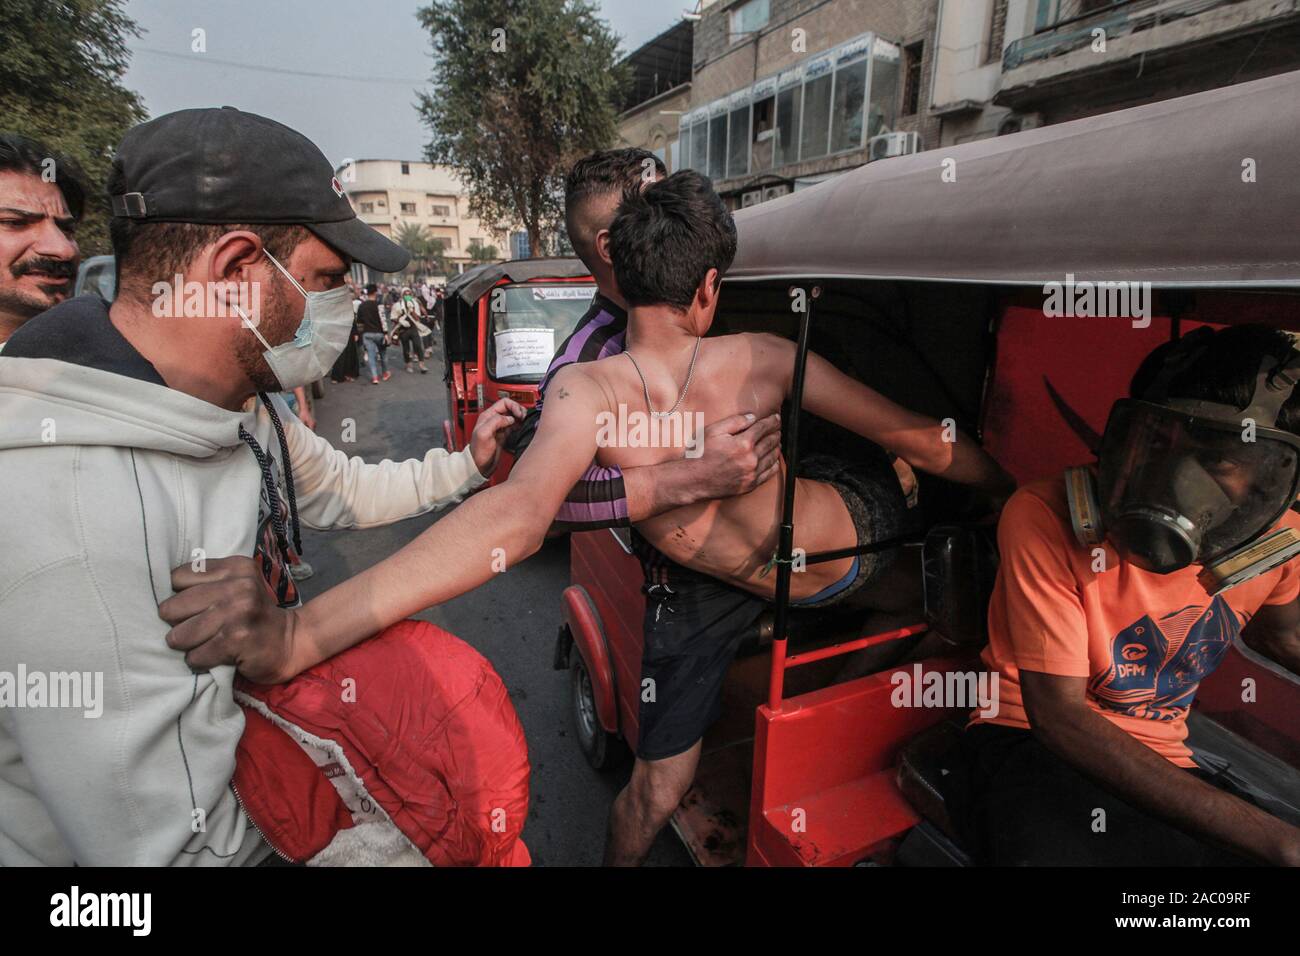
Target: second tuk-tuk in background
{"x": 502, "y": 323}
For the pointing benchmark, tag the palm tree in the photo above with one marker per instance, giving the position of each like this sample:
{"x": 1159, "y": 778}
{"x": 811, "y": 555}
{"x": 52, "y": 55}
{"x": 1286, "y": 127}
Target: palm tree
{"x": 411, "y": 237}
{"x": 478, "y": 252}
{"x": 437, "y": 261}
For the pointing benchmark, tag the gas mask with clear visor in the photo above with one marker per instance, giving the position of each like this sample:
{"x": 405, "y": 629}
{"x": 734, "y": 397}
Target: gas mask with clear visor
{"x": 1183, "y": 481}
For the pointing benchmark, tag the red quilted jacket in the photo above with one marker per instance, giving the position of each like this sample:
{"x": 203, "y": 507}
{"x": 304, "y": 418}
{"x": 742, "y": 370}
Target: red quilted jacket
{"x": 414, "y": 721}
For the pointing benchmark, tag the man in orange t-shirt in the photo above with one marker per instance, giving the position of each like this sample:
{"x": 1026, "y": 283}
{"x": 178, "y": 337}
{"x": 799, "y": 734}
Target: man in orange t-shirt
{"x": 1099, "y": 658}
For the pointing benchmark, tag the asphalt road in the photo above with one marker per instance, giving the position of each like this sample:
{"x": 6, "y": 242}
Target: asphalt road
{"x": 512, "y": 620}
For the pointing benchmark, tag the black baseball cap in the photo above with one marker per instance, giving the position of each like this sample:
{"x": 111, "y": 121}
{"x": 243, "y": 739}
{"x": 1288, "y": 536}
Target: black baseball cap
{"x": 226, "y": 166}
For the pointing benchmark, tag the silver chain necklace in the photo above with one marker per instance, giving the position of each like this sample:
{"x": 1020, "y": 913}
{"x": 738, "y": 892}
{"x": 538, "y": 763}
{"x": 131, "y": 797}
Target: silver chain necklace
{"x": 690, "y": 373}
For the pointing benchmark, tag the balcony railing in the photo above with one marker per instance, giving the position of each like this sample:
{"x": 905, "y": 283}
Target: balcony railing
{"x": 1069, "y": 24}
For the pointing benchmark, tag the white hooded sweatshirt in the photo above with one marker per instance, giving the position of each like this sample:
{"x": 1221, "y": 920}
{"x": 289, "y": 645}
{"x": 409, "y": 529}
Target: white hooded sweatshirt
{"x": 110, "y": 480}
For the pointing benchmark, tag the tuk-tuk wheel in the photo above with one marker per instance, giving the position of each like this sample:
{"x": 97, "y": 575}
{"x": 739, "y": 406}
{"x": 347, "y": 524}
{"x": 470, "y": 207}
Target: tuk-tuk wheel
{"x": 603, "y": 750}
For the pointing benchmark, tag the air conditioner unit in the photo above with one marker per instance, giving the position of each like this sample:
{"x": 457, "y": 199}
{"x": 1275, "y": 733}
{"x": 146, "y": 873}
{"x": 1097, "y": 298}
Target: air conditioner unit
{"x": 751, "y": 198}
{"x": 893, "y": 144}
{"x": 774, "y": 192}
{"x": 1019, "y": 122}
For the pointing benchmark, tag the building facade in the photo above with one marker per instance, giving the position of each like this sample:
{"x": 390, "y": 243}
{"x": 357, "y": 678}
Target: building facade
{"x": 388, "y": 194}
{"x": 782, "y": 94}
{"x": 660, "y": 93}
{"x": 1081, "y": 57}
{"x": 1007, "y": 65}
{"x": 786, "y": 93}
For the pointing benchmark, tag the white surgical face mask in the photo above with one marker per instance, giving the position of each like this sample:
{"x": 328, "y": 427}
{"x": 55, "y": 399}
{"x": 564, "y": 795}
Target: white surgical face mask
{"x": 319, "y": 341}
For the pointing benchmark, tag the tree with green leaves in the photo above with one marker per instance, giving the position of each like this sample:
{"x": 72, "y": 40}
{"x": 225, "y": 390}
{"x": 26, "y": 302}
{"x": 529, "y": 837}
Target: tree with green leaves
{"x": 428, "y": 253}
{"x": 479, "y": 252}
{"x": 437, "y": 262}
{"x": 520, "y": 90}
{"x": 412, "y": 237}
{"x": 61, "y": 66}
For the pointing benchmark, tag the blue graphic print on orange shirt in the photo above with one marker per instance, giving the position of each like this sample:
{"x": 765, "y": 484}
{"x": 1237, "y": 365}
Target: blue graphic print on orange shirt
{"x": 1155, "y": 675}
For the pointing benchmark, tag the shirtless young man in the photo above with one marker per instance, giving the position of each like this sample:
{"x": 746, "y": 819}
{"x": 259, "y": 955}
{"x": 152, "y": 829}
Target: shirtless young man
{"x": 670, "y": 246}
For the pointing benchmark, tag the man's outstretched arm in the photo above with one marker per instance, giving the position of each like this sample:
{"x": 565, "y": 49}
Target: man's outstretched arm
{"x": 335, "y": 490}
{"x": 918, "y": 439}
{"x": 221, "y": 615}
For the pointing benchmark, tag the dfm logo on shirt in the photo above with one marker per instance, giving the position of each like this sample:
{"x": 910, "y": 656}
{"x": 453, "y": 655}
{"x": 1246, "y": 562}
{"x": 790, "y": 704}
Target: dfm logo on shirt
{"x": 1153, "y": 673}
{"x": 1134, "y": 652}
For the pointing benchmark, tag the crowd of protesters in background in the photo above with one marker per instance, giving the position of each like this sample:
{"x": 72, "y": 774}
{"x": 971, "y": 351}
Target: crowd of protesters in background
{"x": 385, "y": 316}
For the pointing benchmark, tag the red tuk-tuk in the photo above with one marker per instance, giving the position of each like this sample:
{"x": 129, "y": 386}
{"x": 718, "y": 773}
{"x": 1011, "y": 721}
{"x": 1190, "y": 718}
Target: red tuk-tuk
{"x": 928, "y": 276}
{"x": 502, "y": 324}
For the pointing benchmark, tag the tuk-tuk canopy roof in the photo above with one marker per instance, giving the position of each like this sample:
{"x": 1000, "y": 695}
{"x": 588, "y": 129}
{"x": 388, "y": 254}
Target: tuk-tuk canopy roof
{"x": 1203, "y": 190}
{"x": 473, "y": 283}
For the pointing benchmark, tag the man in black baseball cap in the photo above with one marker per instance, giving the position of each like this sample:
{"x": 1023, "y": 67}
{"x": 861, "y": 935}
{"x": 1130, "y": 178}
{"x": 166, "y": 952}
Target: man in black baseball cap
{"x": 131, "y": 442}
{"x": 246, "y": 215}
{"x": 221, "y": 166}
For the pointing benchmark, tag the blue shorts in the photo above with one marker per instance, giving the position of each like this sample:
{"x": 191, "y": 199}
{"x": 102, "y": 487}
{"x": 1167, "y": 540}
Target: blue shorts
{"x": 878, "y": 509}
{"x": 833, "y": 590}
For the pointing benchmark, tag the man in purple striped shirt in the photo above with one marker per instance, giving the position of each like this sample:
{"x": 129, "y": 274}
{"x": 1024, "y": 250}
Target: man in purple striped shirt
{"x": 738, "y": 454}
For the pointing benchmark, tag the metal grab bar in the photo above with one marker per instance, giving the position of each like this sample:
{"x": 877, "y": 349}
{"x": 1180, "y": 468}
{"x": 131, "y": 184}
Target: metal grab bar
{"x": 857, "y": 644}
{"x": 901, "y": 541}
{"x": 785, "y": 543}
{"x": 785, "y": 546}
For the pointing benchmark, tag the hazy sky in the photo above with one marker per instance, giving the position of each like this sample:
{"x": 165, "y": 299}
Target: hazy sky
{"x": 369, "y": 57}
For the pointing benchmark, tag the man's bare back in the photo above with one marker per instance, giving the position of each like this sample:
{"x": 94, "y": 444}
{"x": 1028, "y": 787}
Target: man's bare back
{"x": 731, "y": 539}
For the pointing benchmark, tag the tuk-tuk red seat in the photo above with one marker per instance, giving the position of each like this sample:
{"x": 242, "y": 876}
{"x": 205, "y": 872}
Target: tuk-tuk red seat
{"x": 841, "y": 820}
{"x": 825, "y": 792}
{"x": 826, "y": 780}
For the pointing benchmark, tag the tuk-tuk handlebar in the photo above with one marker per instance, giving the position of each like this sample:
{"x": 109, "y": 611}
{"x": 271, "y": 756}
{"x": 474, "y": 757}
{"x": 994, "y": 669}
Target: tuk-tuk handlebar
{"x": 785, "y": 544}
